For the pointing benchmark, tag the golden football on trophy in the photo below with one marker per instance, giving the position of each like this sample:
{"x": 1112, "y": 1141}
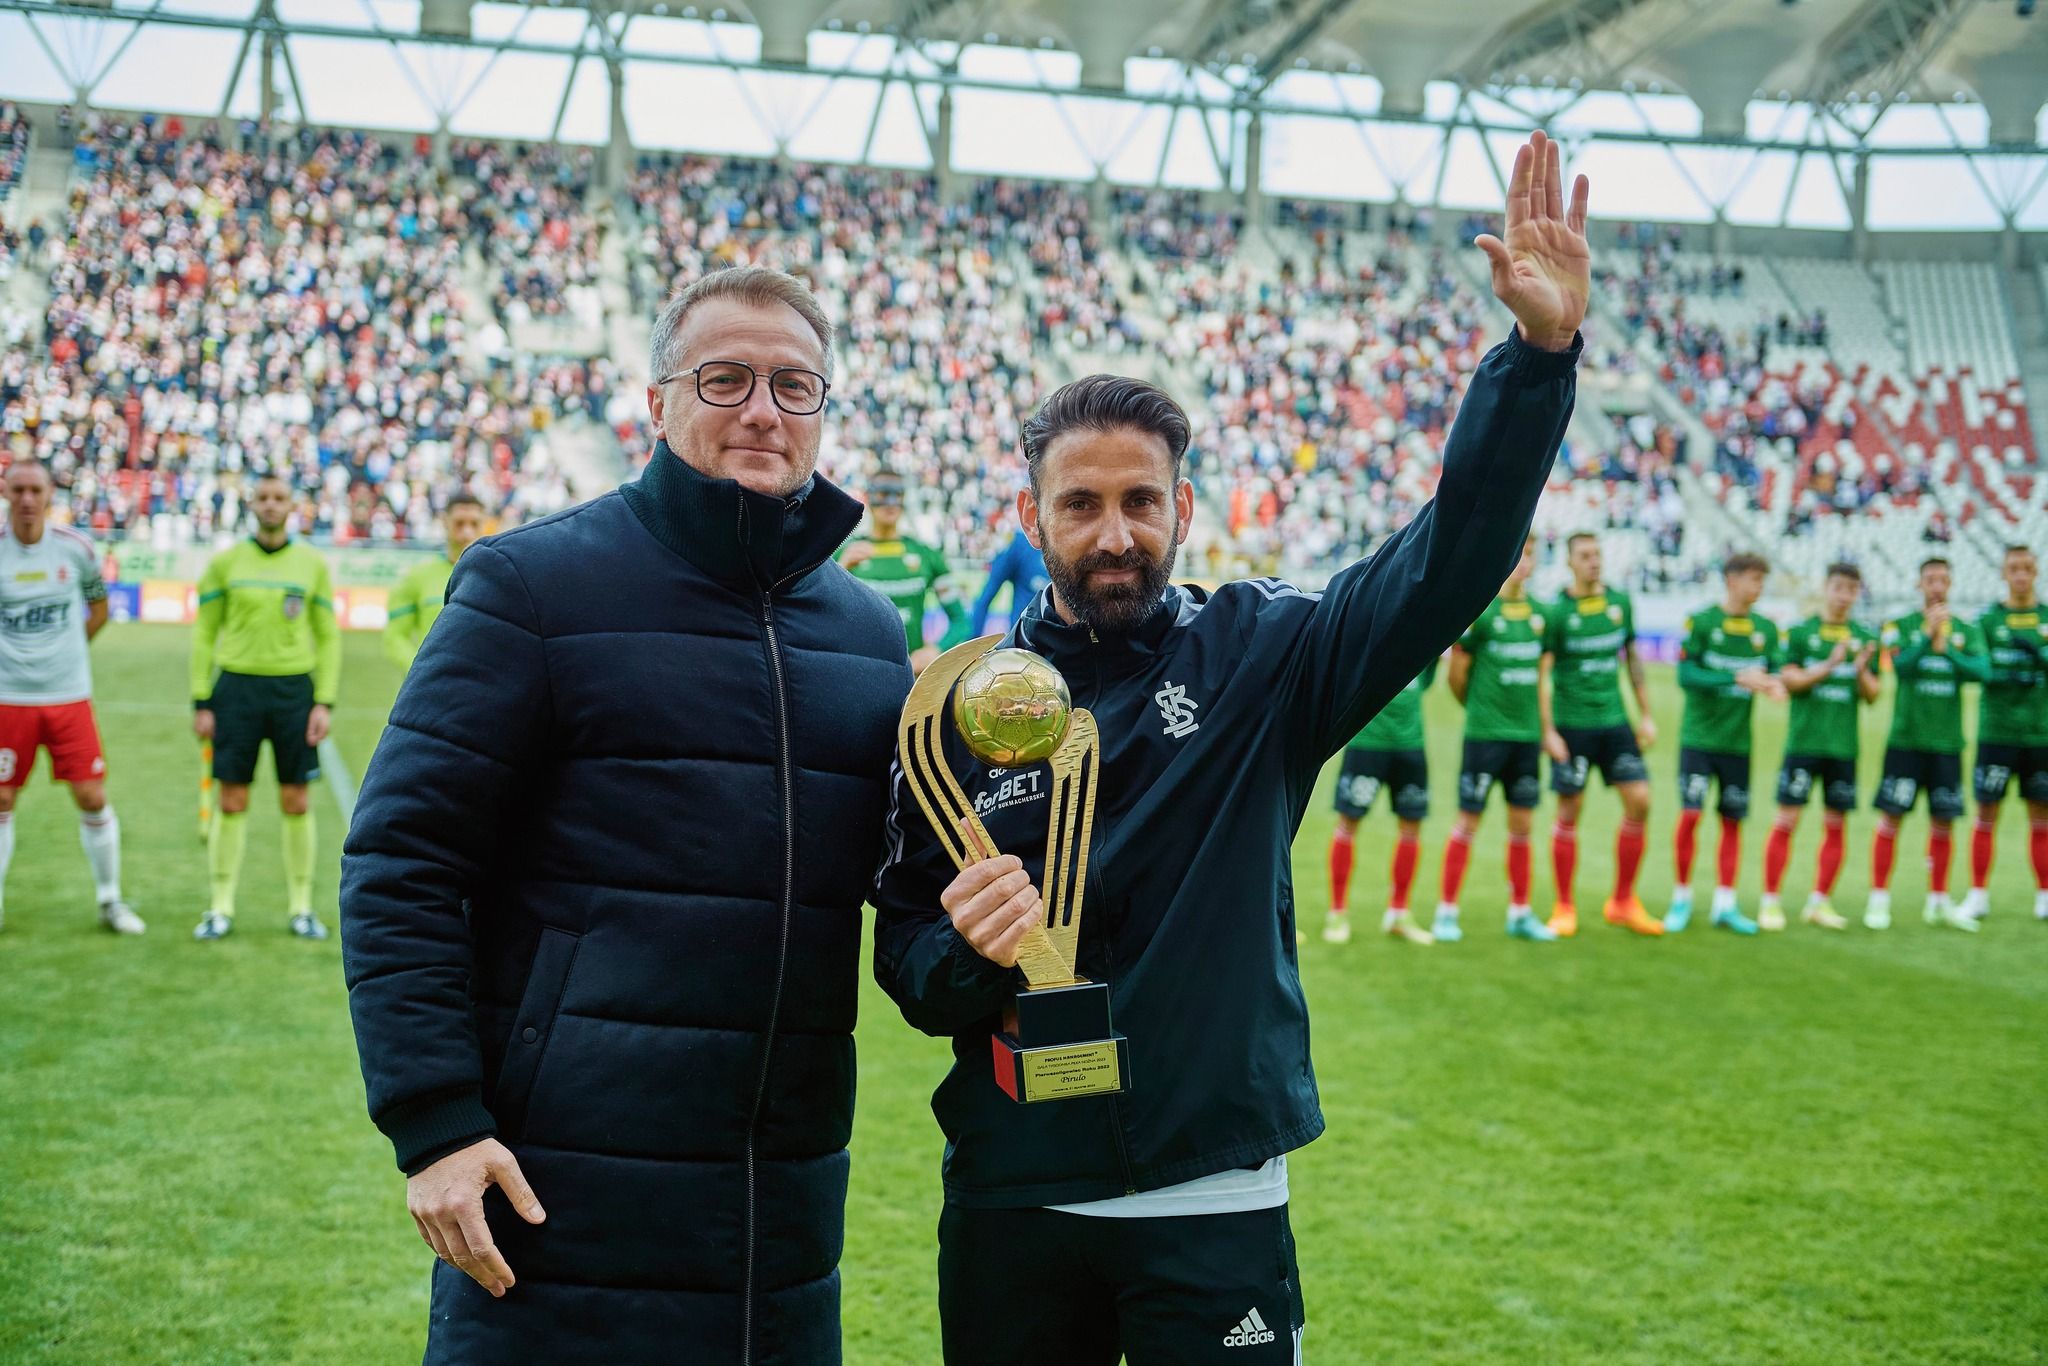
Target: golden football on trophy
{"x": 1012, "y": 708}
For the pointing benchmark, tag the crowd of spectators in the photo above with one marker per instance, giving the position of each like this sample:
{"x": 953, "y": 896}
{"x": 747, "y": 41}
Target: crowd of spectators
{"x": 296, "y": 305}
{"x": 1763, "y": 389}
{"x": 936, "y": 364}
{"x": 342, "y": 307}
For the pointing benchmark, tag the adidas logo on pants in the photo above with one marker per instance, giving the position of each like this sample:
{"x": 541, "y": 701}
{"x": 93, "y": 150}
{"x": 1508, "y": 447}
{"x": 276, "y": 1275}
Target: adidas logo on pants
{"x": 1251, "y": 1331}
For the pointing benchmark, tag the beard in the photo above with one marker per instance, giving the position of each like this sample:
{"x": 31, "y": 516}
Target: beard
{"x": 1115, "y": 608}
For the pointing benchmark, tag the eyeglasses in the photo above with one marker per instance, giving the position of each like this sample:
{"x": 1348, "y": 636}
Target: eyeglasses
{"x": 730, "y": 383}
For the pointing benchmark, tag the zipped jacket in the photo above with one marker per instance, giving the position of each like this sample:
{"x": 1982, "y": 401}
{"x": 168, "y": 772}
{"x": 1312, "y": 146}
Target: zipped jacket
{"x": 601, "y": 899}
{"x": 1216, "y": 715}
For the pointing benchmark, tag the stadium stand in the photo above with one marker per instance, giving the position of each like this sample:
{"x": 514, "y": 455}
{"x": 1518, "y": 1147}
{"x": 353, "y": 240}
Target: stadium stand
{"x": 390, "y": 333}
{"x": 299, "y": 306}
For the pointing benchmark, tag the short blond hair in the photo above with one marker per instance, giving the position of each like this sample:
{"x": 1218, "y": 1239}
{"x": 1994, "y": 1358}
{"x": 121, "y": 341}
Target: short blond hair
{"x": 759, "y": 285}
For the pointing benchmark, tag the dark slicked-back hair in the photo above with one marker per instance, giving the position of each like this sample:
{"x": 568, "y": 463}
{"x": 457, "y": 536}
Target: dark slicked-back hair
{"x": 2017, "y": 549}
{"x": 1104, "y": 403}
{"x": 1843, "y": 569}
{"x": 463, "y": 500}
{"x": 1932, "y": 561}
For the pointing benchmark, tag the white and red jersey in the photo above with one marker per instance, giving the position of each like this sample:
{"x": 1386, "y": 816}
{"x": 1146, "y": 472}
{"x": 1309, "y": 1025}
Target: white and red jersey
{"x": 45, "y": 588}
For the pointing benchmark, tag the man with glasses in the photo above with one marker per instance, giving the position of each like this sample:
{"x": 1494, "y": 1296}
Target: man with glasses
{"x": 906, "y": 571}
{"x": 601, "y": 901}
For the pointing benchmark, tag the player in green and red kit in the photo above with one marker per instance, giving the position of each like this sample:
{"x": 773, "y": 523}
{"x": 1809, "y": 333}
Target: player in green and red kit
{"x": 1727, "y": 660}
{"x": 1830, "y": 669}
{"x": 2012, "y": 729}
{"x": 1388, "y": 754}
{"x": 1493, "y": 674}
{"x": 1586, "y": 637}
{"x": 266, "y": 662}
{"x": 907, "y": 572}
{"x": 1932, "y": 655}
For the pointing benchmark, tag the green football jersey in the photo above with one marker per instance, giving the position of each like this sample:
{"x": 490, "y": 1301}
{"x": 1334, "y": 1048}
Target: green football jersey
{"x": 413, "y": 606}
{"x": 908, "y": 572}
{"x": 2013, "y": 707}
{"x": 1824, "y": 718}
{"x": 1399, "y": 723}
{"x": 1713, "y": 649}
{"x": 1506, "y": 644}
{"x": 1585, "y": 638}
{"x": 269, "y": 613}
{"x": 1927, "y": 713}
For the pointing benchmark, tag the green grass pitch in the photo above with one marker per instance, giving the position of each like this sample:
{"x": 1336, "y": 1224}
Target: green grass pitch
{"x": 1804, "y": 1148}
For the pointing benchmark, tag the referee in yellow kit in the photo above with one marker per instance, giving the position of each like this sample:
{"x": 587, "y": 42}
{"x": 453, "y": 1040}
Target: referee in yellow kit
{"x": 266, "y": 660}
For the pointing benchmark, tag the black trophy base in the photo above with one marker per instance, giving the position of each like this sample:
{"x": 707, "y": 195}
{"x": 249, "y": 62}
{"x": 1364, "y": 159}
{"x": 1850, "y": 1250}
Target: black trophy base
{"x": 1057, "y": 1043}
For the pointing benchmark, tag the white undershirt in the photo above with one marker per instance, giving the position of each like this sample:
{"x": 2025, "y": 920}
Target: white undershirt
{"x": 1231, "y": 1192}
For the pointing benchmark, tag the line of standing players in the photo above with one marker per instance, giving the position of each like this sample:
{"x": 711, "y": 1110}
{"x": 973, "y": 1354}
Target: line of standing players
{"x": 1537, "y": 677}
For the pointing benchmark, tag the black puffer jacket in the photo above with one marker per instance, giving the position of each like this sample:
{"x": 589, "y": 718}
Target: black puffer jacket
{"x": 601, "y": 898}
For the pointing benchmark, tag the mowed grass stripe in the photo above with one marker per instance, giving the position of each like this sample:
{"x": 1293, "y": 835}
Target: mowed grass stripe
{"x": 1824, "y": 1148}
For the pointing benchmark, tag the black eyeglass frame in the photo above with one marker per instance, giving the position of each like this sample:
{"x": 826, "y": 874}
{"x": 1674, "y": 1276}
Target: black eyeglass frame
{"x": 696, "y": 373}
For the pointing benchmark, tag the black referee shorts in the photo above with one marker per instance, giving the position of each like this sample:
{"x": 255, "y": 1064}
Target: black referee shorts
{"x": 249, "y": 709}
{"x": 1027, "y": 1287}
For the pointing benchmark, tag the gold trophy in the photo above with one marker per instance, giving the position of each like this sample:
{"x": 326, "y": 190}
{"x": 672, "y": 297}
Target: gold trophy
{"x": 1012, "y": 709}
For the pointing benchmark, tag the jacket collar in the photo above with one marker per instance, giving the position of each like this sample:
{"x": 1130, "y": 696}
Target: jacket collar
{"x": 739, "y": 537}
{"x": 1041, "y": 629}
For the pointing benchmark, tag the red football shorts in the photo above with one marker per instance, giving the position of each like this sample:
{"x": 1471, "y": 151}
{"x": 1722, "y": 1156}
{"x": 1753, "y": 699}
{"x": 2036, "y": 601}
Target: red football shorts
{"x": 67, "y": 731}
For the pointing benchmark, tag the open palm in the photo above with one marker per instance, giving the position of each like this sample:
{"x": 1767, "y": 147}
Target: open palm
{"x": 1544, "y": 270}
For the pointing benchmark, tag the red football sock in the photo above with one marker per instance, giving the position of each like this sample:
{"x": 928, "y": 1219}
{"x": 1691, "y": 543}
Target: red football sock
{"x": 1833, "y": 846}
{"x": 1564, "y": 857}
{"x": 1941, "y": 846}
{"x": 1777, "y": 853}
{"x": 1730, "y": 851}
{"x": 2039, "y": 845}
{"x": 1685, "y": 843}
{"x": 1457, "y": 853}
{"x": 1983, "y": 846}
{"x": 1518, "y": 865}
{"x": 1340, "y": 869}
{"x": 1628, "y": 859}
{"x": 1407, "y": 853}
{"x": 1884, "y": 850}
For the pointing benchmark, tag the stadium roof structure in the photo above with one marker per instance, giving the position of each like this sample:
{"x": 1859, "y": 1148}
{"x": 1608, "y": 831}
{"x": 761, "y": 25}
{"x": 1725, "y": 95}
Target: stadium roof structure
{"x": 1846, "y": 114}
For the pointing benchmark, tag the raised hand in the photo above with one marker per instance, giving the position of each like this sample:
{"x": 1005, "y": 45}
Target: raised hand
{"x": 1544, "y": 271}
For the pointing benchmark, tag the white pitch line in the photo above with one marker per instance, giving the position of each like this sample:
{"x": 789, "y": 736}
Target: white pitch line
{"x": 340, "y": 781}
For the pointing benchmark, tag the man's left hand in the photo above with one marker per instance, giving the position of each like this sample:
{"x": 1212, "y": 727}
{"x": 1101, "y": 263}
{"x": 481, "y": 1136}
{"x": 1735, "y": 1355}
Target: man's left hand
{"x": 1544, "y": 271}
{"x": 316, "y": 725}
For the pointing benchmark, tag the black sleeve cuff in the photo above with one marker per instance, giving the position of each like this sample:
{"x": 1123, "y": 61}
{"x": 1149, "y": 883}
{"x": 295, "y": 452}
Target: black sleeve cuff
{"x": 1535, "y": 364}
{"x": 422, "y": 1132}
{"x": 202, "y": 704}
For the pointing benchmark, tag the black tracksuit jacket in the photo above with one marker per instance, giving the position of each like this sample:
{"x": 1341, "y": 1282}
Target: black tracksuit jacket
{"x": 1217, "y": 715}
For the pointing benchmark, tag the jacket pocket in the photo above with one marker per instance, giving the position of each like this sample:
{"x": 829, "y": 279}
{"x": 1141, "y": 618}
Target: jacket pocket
{"x": 532, "y": 1026}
